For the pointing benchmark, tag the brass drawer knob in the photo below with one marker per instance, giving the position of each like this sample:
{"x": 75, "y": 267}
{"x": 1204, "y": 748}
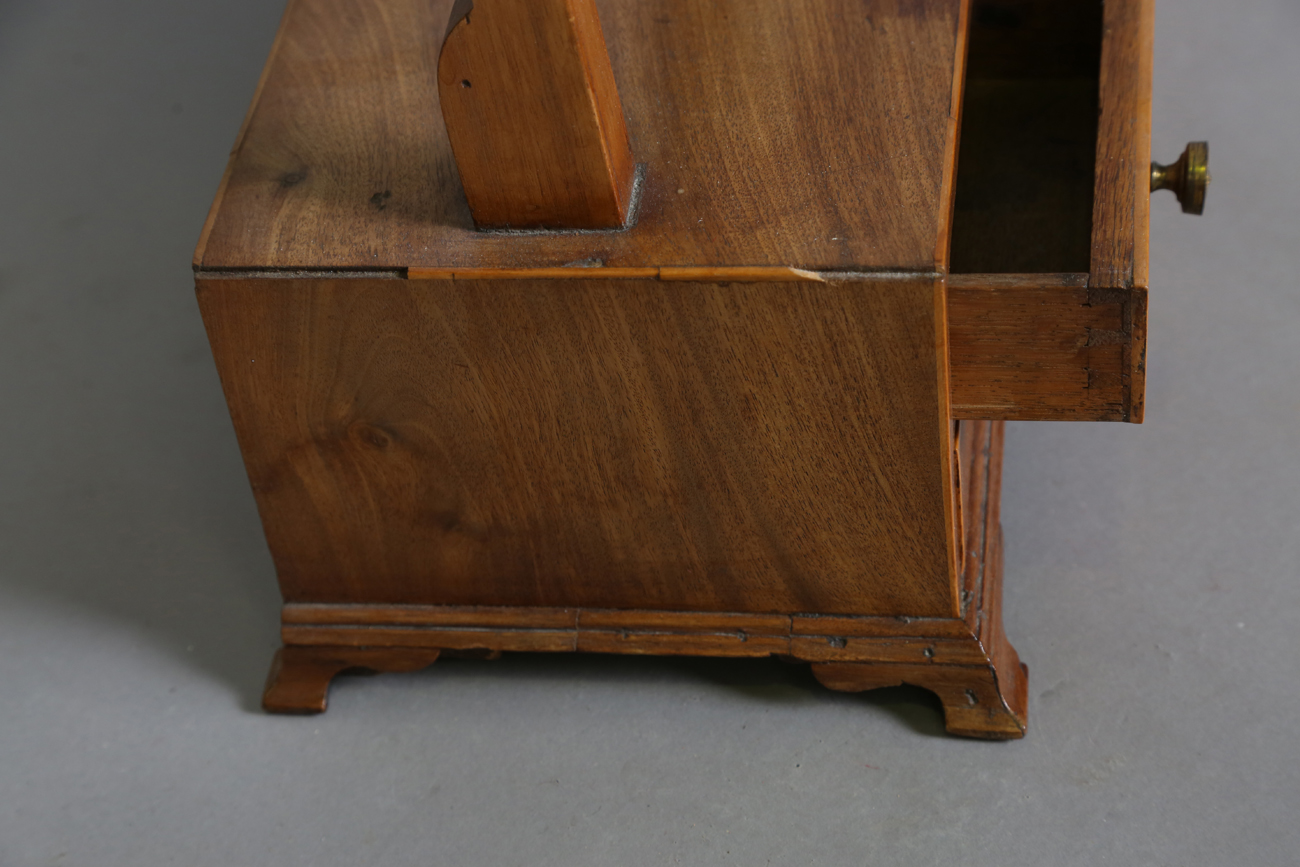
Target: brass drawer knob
{"x": 1188, "y": 177}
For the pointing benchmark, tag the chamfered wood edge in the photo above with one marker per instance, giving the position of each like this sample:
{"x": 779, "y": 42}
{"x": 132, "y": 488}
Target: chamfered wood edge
{"x": 1121, "y": 198}
{"x": 215, "y": 208}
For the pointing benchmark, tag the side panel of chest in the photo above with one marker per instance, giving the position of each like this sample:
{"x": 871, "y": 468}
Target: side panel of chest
{"x": 743, "y": 447}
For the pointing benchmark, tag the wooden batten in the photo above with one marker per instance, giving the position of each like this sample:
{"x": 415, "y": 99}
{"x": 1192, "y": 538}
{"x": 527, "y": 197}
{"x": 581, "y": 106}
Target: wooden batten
{"x": 534, "y": 117}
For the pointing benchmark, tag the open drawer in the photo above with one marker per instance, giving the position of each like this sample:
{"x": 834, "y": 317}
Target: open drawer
{"x": 1047, "y": 282}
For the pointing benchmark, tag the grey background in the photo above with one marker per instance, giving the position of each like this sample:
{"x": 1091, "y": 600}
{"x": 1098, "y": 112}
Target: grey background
{"x": 1151, "y": 571}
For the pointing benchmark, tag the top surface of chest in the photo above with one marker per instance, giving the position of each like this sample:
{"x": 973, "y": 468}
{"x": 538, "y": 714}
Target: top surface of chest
{"x": 817, "y": 134}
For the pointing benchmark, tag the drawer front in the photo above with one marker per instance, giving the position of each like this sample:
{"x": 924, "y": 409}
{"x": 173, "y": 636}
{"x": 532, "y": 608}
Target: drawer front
{"x": 1045, "y": 347}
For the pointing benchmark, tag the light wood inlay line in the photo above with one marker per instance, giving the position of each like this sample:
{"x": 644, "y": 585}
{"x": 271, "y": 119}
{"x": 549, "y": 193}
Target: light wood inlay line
{"x": 757, "y": 274}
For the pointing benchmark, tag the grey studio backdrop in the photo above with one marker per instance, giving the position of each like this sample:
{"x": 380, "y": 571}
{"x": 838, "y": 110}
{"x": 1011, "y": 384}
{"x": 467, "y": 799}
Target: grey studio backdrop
{"x": 1151, "y": 574}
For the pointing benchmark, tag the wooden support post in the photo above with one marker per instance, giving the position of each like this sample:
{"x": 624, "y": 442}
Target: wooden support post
{"x": 534, "y": 117}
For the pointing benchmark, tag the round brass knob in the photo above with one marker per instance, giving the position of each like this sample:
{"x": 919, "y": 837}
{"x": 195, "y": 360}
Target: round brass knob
{"x": 1188, "y": 177}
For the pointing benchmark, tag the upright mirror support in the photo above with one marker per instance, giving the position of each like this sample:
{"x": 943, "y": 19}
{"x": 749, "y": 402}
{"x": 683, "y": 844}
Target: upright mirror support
{"x": 534, "y": 117}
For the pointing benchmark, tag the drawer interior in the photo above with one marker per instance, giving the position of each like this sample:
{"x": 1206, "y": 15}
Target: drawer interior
{"x": 1027, "y": 158}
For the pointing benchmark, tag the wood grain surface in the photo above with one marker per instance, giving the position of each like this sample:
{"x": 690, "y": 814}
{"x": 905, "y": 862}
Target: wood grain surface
{"x": 1121, "y": 210}
{"x": 966, "y": 660}
{"x": 539, "y": 618}
{"x": 1032, "y": 347}
{"x": 215, "y": 207}
{"x": 973, "y": 488}
{"x": 727, "y": 429}
{"x": 975, "y": 703}
{"x": 1056, "y": 127}
{"x": 806, "y": 133}
{"x": 299, "y": 680}
{"x": 533, "y": 116}
{"x": 1045, "y": 347}
{"x": 743, "y": 447}
{"x": 983, "y": 698}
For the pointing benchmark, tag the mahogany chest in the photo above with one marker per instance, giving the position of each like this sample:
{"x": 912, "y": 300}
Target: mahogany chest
{"x": 741, "y": 394}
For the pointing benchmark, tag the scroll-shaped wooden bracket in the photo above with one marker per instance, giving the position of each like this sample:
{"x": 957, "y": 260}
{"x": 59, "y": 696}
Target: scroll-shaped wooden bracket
{"x": 533, "y": 115}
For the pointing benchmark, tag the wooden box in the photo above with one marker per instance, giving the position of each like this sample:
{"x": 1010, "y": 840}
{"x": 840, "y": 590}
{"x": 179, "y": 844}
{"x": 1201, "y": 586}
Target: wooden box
{"x": 764, "y": 419}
